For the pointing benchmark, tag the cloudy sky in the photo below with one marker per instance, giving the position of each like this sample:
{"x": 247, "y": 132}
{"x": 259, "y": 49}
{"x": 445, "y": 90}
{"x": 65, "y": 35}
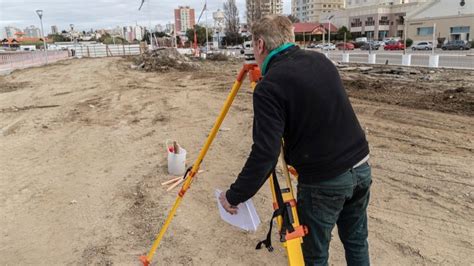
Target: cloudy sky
{"x": 96, "y": 14}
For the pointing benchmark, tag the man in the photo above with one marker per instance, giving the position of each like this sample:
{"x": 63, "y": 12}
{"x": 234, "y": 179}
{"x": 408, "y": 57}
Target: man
{"x": 302, "y": 100}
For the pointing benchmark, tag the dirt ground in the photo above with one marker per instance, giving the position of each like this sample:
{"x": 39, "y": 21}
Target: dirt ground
{"x": 83, "y": 157}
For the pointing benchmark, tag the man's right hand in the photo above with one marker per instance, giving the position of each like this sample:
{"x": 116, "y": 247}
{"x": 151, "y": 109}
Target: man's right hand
{"x": 229, "y": 208}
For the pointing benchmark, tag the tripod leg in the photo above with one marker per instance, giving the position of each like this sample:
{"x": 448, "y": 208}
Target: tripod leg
{"x": 293, "y": 241}
{"x": 230, "y": 98}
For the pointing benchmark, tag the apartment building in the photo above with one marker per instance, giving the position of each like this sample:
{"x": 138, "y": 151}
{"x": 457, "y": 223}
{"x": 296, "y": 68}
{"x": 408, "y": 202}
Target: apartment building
{"x": 184, "y": 19}
{"x": 315, "y": 10}
{"x": 258, "y": 8}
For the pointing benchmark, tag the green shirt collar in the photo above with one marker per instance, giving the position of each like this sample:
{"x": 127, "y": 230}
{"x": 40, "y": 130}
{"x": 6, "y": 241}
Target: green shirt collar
{"x": 273, "y": 53}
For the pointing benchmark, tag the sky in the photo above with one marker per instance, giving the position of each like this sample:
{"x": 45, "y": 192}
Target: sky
{"x": 103, "y": 14}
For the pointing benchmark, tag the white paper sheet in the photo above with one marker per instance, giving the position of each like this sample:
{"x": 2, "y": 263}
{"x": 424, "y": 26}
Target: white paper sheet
{"x": 246, "y": 217}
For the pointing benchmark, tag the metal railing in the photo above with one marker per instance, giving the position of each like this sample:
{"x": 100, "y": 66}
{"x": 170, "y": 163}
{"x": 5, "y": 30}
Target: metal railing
{"x": 19, "y": 60}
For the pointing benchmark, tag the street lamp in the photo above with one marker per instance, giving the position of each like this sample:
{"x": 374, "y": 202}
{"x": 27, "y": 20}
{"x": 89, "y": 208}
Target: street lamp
{"x": 39, "y": 12}
{"x": 329, "y": 36}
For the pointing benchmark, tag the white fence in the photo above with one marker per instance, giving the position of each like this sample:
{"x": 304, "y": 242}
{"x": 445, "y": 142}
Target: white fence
{"x": 12, "y": 61}
{"x": 104, "y": 50}
{"x": 424, "y": 60}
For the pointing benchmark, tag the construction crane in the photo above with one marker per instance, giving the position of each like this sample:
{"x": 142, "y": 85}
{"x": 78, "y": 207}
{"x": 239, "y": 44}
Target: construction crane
{"x": 195, "y": 34}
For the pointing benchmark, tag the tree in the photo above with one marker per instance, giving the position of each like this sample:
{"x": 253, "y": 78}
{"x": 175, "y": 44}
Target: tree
{"x": 103, "y": 37}
{"x": 200, "y": 34}
{"x": 293, "y": 19}
{"x": 231, "y": 16}
{"x": 340, "y": 34}
{"x": 58, "y": 38}
{"x": 232, "y": 23}
{"x": 232, "y": 39}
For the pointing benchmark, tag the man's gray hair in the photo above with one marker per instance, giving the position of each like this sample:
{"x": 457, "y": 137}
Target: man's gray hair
{"x": 274, "y": 30}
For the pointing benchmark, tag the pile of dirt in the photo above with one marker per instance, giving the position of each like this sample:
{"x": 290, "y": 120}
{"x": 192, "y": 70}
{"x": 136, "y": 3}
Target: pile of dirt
{"x": 217, "y": 57}
{"x": 444, "y": 90}
{"x": 163, "y": 60}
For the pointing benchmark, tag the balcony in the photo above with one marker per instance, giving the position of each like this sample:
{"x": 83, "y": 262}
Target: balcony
{"x": 356, "y": 29}
{"x": 384, "y": 22}
{"x": 356, "y": 24}
{"x": 370, "y": 23}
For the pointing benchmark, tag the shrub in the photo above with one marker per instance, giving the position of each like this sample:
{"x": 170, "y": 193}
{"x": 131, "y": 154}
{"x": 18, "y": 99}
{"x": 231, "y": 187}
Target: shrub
{"x": 409, "y": 42}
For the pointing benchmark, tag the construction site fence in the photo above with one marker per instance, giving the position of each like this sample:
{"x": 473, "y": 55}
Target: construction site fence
{"x": 104, "y": 50}
{"x": 12, "y": 61}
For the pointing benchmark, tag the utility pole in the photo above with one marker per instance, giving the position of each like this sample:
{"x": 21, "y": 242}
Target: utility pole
{"x": 39, "y": 12}
{"x": 405, "y": 35}
{"x": 207, "y": 34}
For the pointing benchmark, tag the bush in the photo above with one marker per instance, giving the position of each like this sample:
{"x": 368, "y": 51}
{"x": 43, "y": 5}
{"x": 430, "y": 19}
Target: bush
{"x": 409, "y": 42}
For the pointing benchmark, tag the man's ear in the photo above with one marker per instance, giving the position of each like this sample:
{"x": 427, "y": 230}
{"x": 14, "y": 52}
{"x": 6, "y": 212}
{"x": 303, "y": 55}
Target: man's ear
{"x": 261, "y": 46}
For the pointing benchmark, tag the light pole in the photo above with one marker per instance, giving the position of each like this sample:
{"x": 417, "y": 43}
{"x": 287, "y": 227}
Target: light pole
{"x": 40, "y": 15}
{"x": 207, "y": 34}
{"x": 329, "y": 36}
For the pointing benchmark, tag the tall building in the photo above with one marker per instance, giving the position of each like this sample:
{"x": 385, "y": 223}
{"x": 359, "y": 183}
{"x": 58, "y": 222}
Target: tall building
{"x": 259, "y": 8}
{"x": 10, "y": 31}
{"x": 139, "y": 32}
{"x": 128, "y": 33}
{"x": 54, "y": 29}
{"x": 32, "y": 32}
{"x": 3, "y": 33}
{"x": 316, "y": 10}
{"x": 184, "y": 18}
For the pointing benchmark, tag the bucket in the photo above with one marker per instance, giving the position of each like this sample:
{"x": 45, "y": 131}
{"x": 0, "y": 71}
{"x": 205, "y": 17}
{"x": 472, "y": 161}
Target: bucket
{"x": 176, "y": 161}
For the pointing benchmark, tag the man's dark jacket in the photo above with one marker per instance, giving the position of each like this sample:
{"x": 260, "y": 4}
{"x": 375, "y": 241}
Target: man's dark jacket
{"x": 302, "y": 100}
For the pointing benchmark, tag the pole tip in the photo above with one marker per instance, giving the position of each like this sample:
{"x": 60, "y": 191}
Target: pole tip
{"x": 144, "y": 260}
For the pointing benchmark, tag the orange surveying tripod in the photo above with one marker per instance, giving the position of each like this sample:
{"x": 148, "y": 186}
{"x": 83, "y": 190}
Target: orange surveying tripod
{"x": 284, "y": 203}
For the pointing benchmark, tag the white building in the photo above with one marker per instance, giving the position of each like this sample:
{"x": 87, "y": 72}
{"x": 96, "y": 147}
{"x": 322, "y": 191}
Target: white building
{"x": 139, "y": 32}
{"x": 315, "y": 10}
{"x": 10, "y": 31}
{"x": 453, "y": 21}
{"x": 32, "y": 32}
{"x": 3, "y": 33}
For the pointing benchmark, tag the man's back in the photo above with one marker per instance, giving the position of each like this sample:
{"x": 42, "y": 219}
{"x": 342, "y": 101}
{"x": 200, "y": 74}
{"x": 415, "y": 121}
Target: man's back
{"x": 322, "y": 135}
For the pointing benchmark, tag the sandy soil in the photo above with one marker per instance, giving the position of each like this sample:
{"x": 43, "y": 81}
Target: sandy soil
{"x": 82, "y": 158}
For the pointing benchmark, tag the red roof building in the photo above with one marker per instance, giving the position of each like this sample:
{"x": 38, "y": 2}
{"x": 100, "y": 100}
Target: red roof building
{"x": 313, "y": 28}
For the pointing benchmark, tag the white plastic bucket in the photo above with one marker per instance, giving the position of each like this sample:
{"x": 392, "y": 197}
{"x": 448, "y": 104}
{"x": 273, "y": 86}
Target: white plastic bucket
{"x": 176, "y": 162}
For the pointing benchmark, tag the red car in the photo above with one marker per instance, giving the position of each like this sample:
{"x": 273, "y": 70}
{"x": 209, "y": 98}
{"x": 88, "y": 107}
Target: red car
{"x": 394, "y": 46}
{"x": 347, "y": 46}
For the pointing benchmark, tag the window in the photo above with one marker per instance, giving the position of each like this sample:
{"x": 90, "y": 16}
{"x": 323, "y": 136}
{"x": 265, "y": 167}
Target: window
{"x": 460, "y": 29}
{"x": 424, "y": 31}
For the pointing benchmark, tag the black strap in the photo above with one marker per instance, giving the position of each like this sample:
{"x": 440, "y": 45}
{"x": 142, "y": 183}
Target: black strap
{"x": 287, "y": 218}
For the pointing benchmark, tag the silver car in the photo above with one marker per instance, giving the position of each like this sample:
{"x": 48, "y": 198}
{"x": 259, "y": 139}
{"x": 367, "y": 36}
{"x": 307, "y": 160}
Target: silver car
{"x": 422, "y": 46}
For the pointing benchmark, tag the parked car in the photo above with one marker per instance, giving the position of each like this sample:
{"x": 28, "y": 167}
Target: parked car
{"x": 422, "y": 46}
{"x": 456, "y": 45}
{"x": 394, "y": 46}
{"x": 312, "y": 45}
{"x": 370, "y": 45}
{"x": 328, "y": 46}
{"x": 345, "y": 46}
